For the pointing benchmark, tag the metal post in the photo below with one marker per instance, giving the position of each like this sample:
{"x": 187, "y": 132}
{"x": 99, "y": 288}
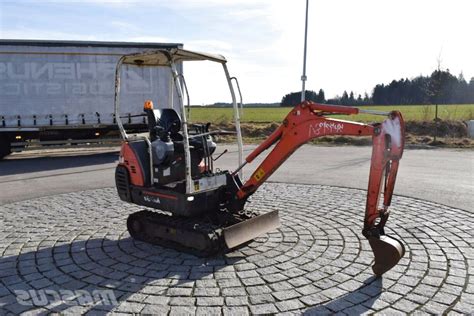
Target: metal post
{"x": 303, "y": 77}
{"x": 184, "y": 128}
{"x": 171, "y": 92}
{"x": 436, "y": 123}
{"x": 118, "y": 69}
{"x": 236, "y": 118}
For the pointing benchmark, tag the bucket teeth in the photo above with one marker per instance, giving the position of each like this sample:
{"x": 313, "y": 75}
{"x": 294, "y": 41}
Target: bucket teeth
{"x": 387, "y": 252}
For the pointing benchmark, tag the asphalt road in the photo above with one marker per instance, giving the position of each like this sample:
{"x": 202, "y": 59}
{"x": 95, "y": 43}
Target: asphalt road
{"x": 444, "y": 176}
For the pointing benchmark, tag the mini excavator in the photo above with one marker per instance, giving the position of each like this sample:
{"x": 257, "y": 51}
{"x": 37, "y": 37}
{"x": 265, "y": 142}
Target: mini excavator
{"x": 194, "y": 208}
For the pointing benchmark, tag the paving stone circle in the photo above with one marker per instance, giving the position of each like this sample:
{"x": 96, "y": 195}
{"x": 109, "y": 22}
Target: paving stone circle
{"x": 317, "y": 262}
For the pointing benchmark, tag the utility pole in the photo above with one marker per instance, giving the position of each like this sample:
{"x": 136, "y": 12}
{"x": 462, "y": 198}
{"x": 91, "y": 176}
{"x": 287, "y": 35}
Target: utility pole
{"x": 303, "y": 77}
{"x": 438, "y": 92}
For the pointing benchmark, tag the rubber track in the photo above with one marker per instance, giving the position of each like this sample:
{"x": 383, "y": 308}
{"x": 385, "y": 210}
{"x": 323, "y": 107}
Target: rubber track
{"x": 211, "y": 232}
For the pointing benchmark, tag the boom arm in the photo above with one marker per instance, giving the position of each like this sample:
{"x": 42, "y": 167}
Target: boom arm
{"x": 307, "y": 121}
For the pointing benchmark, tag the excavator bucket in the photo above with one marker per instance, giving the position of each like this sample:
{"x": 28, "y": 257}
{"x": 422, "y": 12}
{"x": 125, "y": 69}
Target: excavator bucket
{"x": 387, "y": 252}
{"x": 245, "y": 231}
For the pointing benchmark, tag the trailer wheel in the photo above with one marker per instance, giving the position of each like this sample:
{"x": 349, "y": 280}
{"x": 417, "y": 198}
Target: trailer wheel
{"x": 5, "y": 147}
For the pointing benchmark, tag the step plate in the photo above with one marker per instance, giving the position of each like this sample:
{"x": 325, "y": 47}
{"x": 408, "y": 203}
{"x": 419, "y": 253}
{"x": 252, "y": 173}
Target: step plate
{"x": 245, "y": 231}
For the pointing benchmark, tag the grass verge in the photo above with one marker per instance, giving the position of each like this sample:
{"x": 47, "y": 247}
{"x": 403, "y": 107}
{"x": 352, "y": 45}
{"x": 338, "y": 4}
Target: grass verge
{"x": 451, "y": 134}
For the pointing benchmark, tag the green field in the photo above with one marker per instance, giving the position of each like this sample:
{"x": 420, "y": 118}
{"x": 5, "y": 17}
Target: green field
{"x": 276, "y": 114}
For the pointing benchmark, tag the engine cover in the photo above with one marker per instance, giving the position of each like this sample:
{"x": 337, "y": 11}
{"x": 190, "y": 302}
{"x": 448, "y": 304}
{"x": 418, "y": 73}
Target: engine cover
{"x": 162, "y": 151}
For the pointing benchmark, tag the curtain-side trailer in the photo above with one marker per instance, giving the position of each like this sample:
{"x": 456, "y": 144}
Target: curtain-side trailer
{"x": 55, "y": 92}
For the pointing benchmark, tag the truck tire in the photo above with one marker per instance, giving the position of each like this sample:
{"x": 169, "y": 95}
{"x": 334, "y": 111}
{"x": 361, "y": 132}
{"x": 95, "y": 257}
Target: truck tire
{"x": 5, "y": 147}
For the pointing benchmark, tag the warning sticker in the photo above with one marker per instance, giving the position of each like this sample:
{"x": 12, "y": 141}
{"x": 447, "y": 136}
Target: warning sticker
{"x": 259, "y": 174}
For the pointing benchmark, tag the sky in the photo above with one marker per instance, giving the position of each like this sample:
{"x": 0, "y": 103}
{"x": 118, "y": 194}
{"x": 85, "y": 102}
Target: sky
{"x": 352, "y": 45}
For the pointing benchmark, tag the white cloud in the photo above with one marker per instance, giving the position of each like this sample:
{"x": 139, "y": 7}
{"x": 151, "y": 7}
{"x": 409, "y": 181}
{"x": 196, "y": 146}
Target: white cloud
{"x": 151, "y": 39}
{"x": 123, "y": 26}
{"x": 209, "y": 46}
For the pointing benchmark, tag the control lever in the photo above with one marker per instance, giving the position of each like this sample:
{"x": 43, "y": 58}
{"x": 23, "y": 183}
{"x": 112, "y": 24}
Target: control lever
{"x": 224, "y": 152}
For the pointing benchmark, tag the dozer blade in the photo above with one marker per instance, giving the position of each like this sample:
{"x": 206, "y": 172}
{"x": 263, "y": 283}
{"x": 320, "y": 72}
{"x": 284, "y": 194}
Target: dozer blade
{"x": 247, "y": 230}
{"x": 387, "y": 252}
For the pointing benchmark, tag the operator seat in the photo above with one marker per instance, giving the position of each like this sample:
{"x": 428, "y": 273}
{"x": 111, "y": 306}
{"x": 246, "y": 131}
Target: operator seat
{"x": 163, "y": 123}
{"x": 167, "y": 146}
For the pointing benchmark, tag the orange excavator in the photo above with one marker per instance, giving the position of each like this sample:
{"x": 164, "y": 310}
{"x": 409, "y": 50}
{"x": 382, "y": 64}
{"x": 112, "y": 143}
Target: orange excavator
{"x": 194, "y": 208}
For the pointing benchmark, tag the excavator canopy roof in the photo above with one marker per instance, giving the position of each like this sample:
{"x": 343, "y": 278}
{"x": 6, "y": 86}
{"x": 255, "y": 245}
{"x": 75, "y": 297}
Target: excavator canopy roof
{"x": 162, "y": 57}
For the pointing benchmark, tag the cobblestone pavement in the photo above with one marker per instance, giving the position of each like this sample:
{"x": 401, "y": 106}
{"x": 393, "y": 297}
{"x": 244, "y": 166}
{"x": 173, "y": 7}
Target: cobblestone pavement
{"x": 317, "y": 262}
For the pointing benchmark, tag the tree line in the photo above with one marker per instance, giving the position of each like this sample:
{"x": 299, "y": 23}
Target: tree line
{"x": 441, "y": 87}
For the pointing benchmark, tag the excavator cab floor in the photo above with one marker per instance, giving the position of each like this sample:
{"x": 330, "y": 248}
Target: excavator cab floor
{"x": 387, "y": 252}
